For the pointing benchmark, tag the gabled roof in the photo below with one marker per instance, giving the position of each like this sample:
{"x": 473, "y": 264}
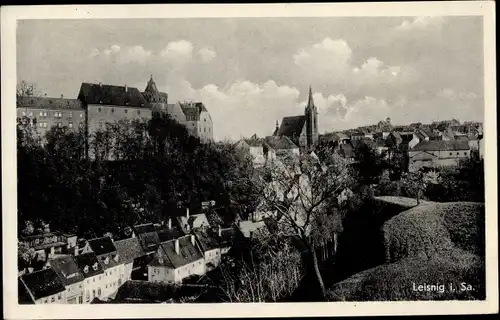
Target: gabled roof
{"x": 193, "y": 109}
{"x": 253, "y": 142}
{"x": 194, "y": 221}
{"x": 292, "y": 126}
{"x": 43, "y": 283}
{"x": 111, "y": 95}
{"x": 88, "y": 260}
{"x": 67, "y": 269}
{"x": 143, "y": 228}
{"x": 110, "y": 260}
{"x": 280, "y": 143}
{"x": 169, "y": 234}
{"x": 103, "y": 245}
{"x": 23, "y": 296}
{"x": 49, "y": 103}
{"x": 207, "y": 239}
{"x": 420, "y": 135}
{"x": 442, "y": 145}
{"x": 129, "y": 249}
{"x": 167, "y": 257}
{"x": 149, "y": 241}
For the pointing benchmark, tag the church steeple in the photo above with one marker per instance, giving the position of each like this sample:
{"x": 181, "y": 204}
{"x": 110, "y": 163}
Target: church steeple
{"x": 311, "y": 121}
{"x": 310, "y": 101}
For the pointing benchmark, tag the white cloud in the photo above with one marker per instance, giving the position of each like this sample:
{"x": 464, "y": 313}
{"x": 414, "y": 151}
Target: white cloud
{"x": 207, "y": 54}
{"x": 452, "y": 95}
{"x": 135, "y": 54}
{"x": 421, "y": 23}
{"x": 178, "y": 52}
{"x": 330, "y": 61}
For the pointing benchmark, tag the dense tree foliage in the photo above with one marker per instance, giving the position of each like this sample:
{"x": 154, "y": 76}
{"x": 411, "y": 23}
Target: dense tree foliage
{"x": 157, "y": 167}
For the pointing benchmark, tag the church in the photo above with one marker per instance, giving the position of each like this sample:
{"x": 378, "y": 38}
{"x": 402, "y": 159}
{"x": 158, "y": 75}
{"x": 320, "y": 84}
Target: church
{"x": 301, "y": 129}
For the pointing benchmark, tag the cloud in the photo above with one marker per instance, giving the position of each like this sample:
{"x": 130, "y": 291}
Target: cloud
{"x": 330, "y": 63}
{"x": 178, "y": 52}
{"x": 452, "y": 95}
{"x": 207, "y": 54}
{"x": 421, "y": 23}
{"x": 133, "y": 54}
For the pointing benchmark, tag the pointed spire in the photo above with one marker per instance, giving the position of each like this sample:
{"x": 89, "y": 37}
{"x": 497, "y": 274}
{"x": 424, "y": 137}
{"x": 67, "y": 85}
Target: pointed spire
{"x": 277, "y": 124}
{"x": 310, "y": 102}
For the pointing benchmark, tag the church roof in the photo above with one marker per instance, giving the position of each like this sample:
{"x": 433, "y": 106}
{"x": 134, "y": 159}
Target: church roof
{"x": 280, "y": 143}
{"x": 291, "y": 126}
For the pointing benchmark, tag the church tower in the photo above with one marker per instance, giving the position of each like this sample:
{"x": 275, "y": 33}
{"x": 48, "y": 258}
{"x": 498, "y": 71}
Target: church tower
{"x": 311, "y": 114}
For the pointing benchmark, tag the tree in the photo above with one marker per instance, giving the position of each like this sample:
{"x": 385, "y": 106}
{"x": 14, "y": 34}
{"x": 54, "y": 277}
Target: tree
{"x": 299, "y": 195}
{"x": 415, "y": 182}
{"x": 369, "y": 164}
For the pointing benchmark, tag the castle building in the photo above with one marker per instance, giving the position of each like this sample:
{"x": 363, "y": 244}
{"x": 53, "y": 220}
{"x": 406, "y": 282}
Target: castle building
{"x": 100, "y": 104}
{"x": 303, "y": 129}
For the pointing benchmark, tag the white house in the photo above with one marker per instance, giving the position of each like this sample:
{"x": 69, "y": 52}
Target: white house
{"x": 93, "y": 273}
{"x": 436, "y": 153}
{"x": 254, "y": 148}
{"x": 43, "y": 287}
{"x": 209, "y": 245}
{"x": 190, "y": 222}
{"x": 129, "y": 251}
{"x": 176, "y": 260}
{"x": 72, "y": 278}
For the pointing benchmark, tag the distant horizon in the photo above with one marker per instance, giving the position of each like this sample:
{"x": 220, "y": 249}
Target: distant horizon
{"x": 250, "y": 72}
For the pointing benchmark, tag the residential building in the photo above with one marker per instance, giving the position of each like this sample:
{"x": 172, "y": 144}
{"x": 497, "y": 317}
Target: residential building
{"x": 189, "y": 222}
{"x": 48, "y": 244}
{"x": 438, "y": 153}
{"x": 44, "y": 287}
{"x": 130, "y": 252}
{"x": 280, "y": 147}
{"x": 209, "y": 245}
{"x": 71, "y": 276}
{"x": 93, "y": 273}
{"x": 148, "y": 237}
{"x": 254, "y": 148}
{"x": 111, "y": 263}
{"x": 176, "y": 260}
{"x": 45, "y": 113}
{"x": 418, "y": 136}
{"x": 302, "y": 130}
{"x": 198, "y": 121}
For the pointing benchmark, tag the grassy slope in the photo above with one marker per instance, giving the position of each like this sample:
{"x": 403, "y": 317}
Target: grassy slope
{"x": 430, "y": 243}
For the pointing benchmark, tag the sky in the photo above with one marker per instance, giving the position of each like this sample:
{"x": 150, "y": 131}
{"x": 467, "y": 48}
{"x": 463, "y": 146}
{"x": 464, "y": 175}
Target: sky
{"x": 250, "y": 72}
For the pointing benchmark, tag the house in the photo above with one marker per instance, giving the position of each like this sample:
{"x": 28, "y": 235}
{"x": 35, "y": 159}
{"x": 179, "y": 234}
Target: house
{"x": 280, "y": 147}
{"x": 198, "y": 121}
{"x": 111, "y": 262}
{"x": 226, "y": 238}
{"x": 130, "y": 251}
{"x": 385, "y": 127}
{"x": 418, "y": 136}
{"x": 176, "y": 260}
{"x": 209, "y": 245}
{"x": 44, "y": 287}
{"x": 148, "y": 237}
{"x": 170, "y": 232}
{"x": 254, "y": 148}
{"x": 93, "y": 273}
{"x": 48, "y": 244}
{"x": 302, "y": 130}
{"x": 189, "y": 222}
{"x": 334, "y": 138}
{"x": 71, "y": 276}
{"x": 399, "y": 139}
{"x": 428, "y": 154}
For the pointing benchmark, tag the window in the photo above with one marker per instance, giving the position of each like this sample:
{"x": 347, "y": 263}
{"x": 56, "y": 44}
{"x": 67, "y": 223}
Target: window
{"x": 24, "y": 113}
{"x": 70, "y": 115}
{"x": 99, "y": 277}
{"x": 41, "y": 114}
{"x": 119, "y": 282}
{"x": 465, "y": 153}
{"x": 80, "y": 299}
{"x": 45, "y": 114}
{"x": 93, "y": 293}
{"x": 99, "y": 109}
{"x": 59, "y": 296}
{"x": 126, "y": 110}
{"x": 53, "y": 299}
{"x": 106, "y": 286}
{"x": 112, "y": 110}
{"x": 80, "y": 124}
{"x": 93, "y": 279}
{"x": 31, "y": 114}
{"x": 46, "y": 300}
{"x": 81, "y": 115}
{"x": 450, "y": 153}
{"x": 99, "y": 292}
{"x": 205, "y": 119}
{"x": 138, "y": 111}
{"x": 70, "y": 124}
{"x": 59, "y": 124}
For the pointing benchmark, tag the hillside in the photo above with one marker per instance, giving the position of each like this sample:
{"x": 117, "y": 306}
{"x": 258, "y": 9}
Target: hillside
{"x": 433, "y": 243}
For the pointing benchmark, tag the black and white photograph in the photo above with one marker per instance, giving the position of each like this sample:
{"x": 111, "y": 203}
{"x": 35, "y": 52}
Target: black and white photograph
{"x": 249, "y": 159}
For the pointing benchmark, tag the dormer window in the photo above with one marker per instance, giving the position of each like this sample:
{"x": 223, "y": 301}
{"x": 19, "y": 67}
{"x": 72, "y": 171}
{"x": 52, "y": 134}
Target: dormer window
{"x": 117, "y": 256}
{"x": 126, "y": 110}
{"x": 160, "y": 260}
{"x": 86, "y": 269}
{"x": 94, "y": 266}
{"x": 106, "y": 261}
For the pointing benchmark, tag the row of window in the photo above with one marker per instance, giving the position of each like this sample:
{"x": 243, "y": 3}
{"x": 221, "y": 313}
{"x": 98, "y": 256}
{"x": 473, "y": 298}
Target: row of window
{"x": 58, "y": 124}
{"x": 44, "y": 114}
{"x": 113, "y": 110}
{"x": 53, "y": 298}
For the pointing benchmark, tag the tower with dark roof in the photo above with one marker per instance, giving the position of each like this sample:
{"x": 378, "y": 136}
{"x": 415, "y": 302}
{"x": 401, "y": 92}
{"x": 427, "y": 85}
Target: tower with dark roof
{"x": 158, "y": 100}
{"x": 311, "y": 114}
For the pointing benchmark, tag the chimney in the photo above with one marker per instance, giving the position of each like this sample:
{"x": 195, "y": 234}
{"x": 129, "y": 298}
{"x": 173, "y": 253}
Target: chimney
{"x": 45, "y": 95}
{"x": 277, "y": 124}
{"x": 100, "y": 84}
{"x": 169, "y": 223}
{"x": 62, "y": 96}
{"x": 192, "y": 239}
{"x": 177, "y": 246}
{"x": 126, "y": 88}
{"x": 220, "y": 232}
{"x": 187, "y": 213}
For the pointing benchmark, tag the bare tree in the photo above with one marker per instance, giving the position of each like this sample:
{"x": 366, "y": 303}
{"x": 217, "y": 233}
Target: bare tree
{"x": 298, "y": 192}
{"x": 24, "y": 89}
